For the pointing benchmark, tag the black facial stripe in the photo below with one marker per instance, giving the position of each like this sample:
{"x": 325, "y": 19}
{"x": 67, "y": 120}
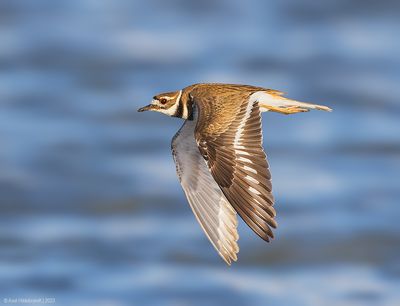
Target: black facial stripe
{"x": 179, "y": 110}
{"x": 190, "y": 109}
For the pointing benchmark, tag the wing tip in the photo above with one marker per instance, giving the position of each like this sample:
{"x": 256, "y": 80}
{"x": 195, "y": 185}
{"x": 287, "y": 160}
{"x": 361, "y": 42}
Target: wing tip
{"x": 230, "y": 259}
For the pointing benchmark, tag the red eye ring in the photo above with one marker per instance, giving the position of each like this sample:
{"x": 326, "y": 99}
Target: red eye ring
{"x": 163, "y": 101}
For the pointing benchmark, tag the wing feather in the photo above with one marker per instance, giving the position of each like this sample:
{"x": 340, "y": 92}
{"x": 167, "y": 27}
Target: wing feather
{"x": 237, "y": 161}
{"x": 209, "y": 205}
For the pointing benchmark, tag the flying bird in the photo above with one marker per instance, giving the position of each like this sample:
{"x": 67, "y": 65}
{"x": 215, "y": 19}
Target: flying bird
{"x": 219, "y": 157}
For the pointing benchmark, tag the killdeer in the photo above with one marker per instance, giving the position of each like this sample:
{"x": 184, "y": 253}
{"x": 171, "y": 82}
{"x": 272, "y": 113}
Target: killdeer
{"x": 219, "y": 157}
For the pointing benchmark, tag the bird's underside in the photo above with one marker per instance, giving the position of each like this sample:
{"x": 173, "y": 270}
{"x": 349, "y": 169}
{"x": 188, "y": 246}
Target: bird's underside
{"x": 222, "y": 166}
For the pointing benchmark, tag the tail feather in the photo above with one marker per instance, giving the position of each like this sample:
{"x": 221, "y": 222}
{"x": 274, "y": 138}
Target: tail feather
{"x": 290, "y": 102}
{"x": 273, "y": 100}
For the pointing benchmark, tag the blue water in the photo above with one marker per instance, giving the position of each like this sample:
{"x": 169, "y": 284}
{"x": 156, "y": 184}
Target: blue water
{"x": 91, "y": 211}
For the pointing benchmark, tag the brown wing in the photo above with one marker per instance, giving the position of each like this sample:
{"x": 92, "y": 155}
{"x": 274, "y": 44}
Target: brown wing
{"x": 235, "y": 156}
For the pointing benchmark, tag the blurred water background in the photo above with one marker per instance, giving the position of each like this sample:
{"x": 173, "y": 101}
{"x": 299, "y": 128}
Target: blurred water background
{"x": 91, "y": 211}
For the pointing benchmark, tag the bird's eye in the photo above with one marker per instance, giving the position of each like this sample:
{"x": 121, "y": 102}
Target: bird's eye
{"x": 163, "y": 101}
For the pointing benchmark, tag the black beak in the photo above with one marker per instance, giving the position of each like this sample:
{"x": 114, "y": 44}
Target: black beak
{"x": 145, "y": 108}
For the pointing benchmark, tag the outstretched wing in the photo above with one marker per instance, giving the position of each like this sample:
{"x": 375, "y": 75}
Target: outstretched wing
{"x": 236, "y": 159}
{"x": 215, "y": 215}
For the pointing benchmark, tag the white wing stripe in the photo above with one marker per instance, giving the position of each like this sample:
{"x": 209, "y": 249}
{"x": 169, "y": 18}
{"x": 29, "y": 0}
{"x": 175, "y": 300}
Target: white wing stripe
{"x": 250, "y": 169}
{"x": 239, "y": 132}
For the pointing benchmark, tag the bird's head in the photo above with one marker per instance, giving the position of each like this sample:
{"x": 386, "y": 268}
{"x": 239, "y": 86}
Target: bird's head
{"x": 166, "y": 103}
